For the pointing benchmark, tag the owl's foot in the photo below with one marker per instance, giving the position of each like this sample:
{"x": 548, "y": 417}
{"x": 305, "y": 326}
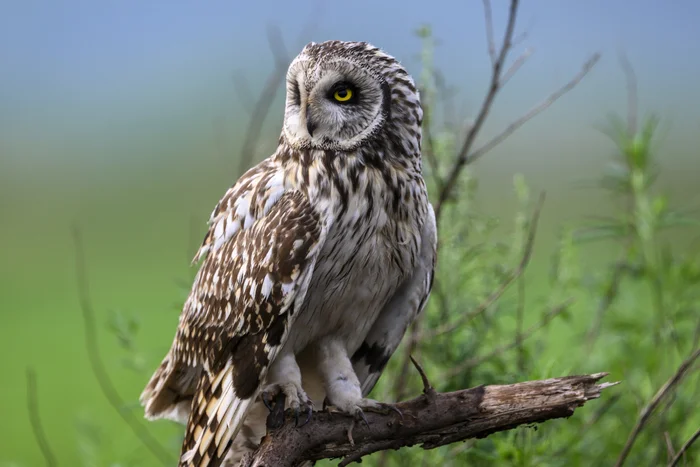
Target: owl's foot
{"x": 296, "y": 402}
{"x": 359, "y": 408}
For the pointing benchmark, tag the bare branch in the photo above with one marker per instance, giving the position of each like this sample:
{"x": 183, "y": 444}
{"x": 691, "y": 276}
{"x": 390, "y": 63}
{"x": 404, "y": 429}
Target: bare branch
{"x": 35, "y": 420}
{"x": 98, "y": 367}
{"x": 428, "y": 389}
{"x": 491, "y": 41}
{"x": 411, "y": 346}
{"x": 517, "y": 64}
{"x": 539, "y": 108}
{"x": 494, "y": 86}
{"x": 647, "y": 412}
{"x": 452, "y": 417}
{"x": 684, "y": 448}
{"x": 631, "y": 79}
{"x": 262, "y": 107}
{"x": 267, "y": 97}
{"x": 476, "y": 361}
{"x": 512, "y": 277}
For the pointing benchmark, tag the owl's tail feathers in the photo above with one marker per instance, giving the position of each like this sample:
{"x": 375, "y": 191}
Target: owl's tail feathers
{"x": 217, "y": 416}
{"x": 169, "y": 392}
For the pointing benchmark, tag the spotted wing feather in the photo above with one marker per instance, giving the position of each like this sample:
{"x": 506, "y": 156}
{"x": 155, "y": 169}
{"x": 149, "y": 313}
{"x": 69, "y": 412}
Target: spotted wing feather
{"x": 169, "y": 392}
{"x": 238, "y": 317}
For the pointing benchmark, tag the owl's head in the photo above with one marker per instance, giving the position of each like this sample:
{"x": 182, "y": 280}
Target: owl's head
{"x": 341, "y": 94}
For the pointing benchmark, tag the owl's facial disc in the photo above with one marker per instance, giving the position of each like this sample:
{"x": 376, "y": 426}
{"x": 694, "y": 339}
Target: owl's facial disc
{"x": 333, "y": 105}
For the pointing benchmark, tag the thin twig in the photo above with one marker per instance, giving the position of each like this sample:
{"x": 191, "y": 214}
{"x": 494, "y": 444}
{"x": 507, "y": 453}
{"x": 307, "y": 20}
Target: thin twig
{"x": 539, "y": 108}
{"x": 265, "y": 100}
{"x": 517, "y": 64}
{"x": 98, "y": 367}
{"x": 669, "y": 446}
{"x": 510, "y": 278}
{"x": 589, "y": 423}
{"x": 262, "y": 107}
{"x": 684, "y": 448}
{"x": 520, "y": 313}
{"x": 494, "y": 86}
{"x": 428, "y": 389}
{"x": 631, "y": 79}
{"x": 35, "y": 420}
{"x": 476, "y": 361}
{"x": 491, "y": 41}
{"x": 411, "y": 346}
{"x": 655, "y": 401}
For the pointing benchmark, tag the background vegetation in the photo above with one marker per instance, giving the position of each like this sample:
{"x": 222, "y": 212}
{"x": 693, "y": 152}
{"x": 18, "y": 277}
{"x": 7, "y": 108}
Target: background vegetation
{"x": 610, "y": 282}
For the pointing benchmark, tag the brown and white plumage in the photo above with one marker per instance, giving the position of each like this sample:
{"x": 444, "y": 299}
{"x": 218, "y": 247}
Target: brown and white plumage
{"x": 315, "y": 261}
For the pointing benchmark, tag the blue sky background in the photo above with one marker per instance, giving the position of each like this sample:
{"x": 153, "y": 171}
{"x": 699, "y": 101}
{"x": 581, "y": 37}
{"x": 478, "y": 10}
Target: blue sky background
{"x": 73, "y": 72}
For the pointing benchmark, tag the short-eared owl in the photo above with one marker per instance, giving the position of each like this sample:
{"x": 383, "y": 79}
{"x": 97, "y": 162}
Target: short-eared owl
{"x": 315, "y": 262}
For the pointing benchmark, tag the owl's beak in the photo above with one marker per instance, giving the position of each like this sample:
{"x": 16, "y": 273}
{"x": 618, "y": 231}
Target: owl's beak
{"x": 310, "y": 124}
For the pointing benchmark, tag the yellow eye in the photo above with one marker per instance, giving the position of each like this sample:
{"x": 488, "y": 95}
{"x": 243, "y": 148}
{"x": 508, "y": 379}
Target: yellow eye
{"x": 343, "y": 95}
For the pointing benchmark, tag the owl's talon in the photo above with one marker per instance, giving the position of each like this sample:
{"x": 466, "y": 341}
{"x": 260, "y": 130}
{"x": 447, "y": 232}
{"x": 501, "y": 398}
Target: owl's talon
{"x": 361, "y": 414}
{"x": 384, "y": 409}
{"x": 309, "y": 411}
{"x": 265, "y": 397}
{"x": 295, "y": 398}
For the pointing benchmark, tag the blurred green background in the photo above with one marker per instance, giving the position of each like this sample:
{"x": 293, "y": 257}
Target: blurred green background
{"x": 127, "y": 119}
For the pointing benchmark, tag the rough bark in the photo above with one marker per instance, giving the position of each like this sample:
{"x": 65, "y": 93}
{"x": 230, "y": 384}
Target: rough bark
{"x": 431, "y": 420}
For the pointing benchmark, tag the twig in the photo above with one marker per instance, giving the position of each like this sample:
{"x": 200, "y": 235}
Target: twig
{"x": 494, "y": 86}
{"x": 684, "y": 448}
{"x": 655, "y": 401}
{"x": 410, "y": 349}
{"x": 519, "y": 315}
{"x": 35, "y": 420}
{"x": 428, "y": 389}
{"x": 539, "y": 108}
{"x": 476, "y": 361}
{"x": 631, "y": 79}
{"x": 491, "y": 41}
{"x": 510, "y": 278}
{"x": 517, "y": 64}
{"x": 611, "y": 292}
{"x": 267, "y": 96}
{"x": 98, "y": 367}
{"x": 669, "y": 446}
{"x": 452, "y": 417}
{"x": 589, "y": 423}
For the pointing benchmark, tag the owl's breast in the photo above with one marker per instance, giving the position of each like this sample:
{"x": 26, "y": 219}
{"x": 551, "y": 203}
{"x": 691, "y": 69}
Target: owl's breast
{"x": 357, "y": 273}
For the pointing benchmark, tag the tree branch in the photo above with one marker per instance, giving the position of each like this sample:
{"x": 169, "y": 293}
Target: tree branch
{"x": 97, "y": 365}
{"x": 668, "y": 387}
{"x": 430, "y": 421}
{"x": 476, "y": 361}
{"x": 677, "y": 458}
{"x": 262, "y": 106}
{"x": 35, "y": 419}
{"x": 509, "y": 279}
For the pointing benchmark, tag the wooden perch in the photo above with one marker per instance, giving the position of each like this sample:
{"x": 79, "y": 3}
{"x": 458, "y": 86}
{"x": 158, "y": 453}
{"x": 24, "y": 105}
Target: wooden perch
{"x": 431, "y": 420}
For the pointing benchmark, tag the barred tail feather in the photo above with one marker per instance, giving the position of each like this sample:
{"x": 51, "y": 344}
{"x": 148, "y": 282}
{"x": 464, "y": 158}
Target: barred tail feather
{"x": 217, "y": 416}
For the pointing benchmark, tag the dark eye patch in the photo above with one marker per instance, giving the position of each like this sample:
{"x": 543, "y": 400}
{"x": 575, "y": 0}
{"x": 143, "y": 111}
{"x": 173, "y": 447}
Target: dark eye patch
{"x": 294, "y": 93}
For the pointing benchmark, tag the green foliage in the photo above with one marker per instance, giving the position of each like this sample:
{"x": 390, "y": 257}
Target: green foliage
{"x": 636, "y": 317}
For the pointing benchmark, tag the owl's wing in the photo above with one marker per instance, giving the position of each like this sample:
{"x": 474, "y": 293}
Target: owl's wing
{"x": 169, "y": 392}
{"x": 238, "y": 316}
{"x": 404, "y": 307}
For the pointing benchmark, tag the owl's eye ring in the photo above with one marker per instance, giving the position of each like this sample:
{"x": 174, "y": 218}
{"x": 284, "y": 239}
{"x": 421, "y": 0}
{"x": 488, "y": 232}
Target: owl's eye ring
{"x": 343, "y": 93}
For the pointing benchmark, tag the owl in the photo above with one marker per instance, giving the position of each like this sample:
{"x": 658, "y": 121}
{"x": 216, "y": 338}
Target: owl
{"x": 314, "y": 264}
